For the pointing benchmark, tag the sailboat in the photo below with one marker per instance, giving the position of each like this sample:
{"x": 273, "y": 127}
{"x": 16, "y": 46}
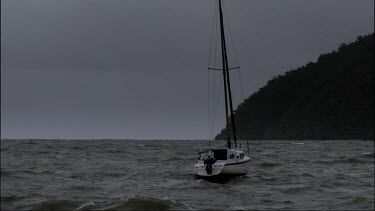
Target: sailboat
{"x": 229, "y": 161}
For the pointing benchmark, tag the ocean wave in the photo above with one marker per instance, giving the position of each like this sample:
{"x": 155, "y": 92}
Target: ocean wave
{"x": 84, "y": 188}
{"x": 4, "y": 173}
{"x": 173, "y": 159}
{"x": 10, "y": 198}
{"x": 85, "y": 206}
{"x": 266, "y": 178}
{"x": 141, "y": 145}
{"x": 147, "y": 203}
{"x": 19, "y": 173}
{"x": 182, "y": 176}
{"x": 301, "y": 161}
{"x": 237, "y": 208}
{"x": 350, "y": 160}
{"x": 368, "y": 154}
{"x": 343, "y": 160}
{"x": 268, "y": 164}
{"x": 357, "y": 200}
{"x": 55, "y": 205}
{"x": 297, "y": 143}
{"x": 130, "y": 203}
{"x": 30, "y": 142}
{"x": 78, "y": 147}
{"x": 116, "y": 151}
{"x": 355, "y": 203}
{"x": 298, "y": 189}
{"x": 114, "y": 173}
{"x": 91, "y": 177}
{"x": 307, "y": 175}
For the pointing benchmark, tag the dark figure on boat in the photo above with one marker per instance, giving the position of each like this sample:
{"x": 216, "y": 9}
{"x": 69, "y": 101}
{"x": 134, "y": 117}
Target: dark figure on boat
{"x": 208, "y": 163}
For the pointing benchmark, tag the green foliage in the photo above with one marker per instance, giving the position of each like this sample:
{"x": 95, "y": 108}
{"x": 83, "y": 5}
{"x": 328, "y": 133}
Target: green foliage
{"x": 330, "y": 99}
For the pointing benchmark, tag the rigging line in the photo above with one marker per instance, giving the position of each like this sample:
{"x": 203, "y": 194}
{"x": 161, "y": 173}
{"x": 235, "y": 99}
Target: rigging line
{"x": 217, "y": 103}
{"x": 211, "y": 40}
{"x": 236, "y": 57}
{"x": 209, "y": 103}
{"x": 212, "y": 45}
{"x": 227, "y": 86}
{"x": 212, "y": 93}
{"x": 215, "y": 30}
{"x": 216, "y": 34}
{"x": 234, "y": 48}
{"x": 213, "y": 103}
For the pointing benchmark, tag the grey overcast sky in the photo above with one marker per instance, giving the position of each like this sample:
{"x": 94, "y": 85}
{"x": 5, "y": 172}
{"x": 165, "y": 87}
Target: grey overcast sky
{"x": 138, "y": 68}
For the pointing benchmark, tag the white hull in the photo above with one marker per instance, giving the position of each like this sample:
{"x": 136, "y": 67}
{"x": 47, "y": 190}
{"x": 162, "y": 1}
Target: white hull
{"x": 231, "y": 166}
{"x": 223, "y": 168}
{"x": 237, "y": 169}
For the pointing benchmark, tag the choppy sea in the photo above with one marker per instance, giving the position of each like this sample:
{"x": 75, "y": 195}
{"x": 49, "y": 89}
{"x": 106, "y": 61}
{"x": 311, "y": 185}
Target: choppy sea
{"x": 158, "y": 174}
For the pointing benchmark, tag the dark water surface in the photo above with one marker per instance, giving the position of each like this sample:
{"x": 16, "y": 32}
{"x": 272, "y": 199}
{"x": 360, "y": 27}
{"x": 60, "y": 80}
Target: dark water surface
{"x": 120, "y": 175}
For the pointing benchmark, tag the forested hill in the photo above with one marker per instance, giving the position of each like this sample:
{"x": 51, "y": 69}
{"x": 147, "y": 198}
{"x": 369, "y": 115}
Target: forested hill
{"x": 330, "y": 99}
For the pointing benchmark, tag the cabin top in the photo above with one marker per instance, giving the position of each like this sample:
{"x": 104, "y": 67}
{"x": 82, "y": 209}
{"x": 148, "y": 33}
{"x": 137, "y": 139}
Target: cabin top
{"x": 223, "y": 154}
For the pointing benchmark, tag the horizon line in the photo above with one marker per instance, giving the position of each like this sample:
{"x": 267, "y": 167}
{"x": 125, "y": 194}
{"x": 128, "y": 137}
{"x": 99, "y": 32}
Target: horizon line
{"x": 99, "y": 139}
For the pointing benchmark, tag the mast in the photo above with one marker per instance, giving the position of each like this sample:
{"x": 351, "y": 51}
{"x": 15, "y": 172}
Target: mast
{"x": 227, "y": 89}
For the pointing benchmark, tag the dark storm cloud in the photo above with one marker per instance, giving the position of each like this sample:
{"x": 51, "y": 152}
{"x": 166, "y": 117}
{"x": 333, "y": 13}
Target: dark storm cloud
{"x": 137, "y": 68}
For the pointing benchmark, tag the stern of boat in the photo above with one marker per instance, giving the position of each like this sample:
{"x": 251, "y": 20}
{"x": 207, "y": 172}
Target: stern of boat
{"x": 201, "y": 169}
